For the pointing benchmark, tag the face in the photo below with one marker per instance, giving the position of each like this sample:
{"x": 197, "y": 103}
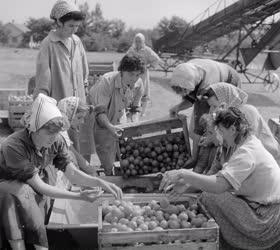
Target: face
{"x": 139, "y": 43}
{"x": 69, "y": 28}
{"x": 43, "y": 138}
{"x": 78, "y": 119}
{"x": 213, "y": 103}
{"x": 130, "y": 78}
{"x": 180, "y": 91}
{"x": 228, "y": 134}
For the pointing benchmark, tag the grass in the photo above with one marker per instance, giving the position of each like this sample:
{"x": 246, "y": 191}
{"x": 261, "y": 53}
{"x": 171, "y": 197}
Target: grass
{"x": 18, "y": 65}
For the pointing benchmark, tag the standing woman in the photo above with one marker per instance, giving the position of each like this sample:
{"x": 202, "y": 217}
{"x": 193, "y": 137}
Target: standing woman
{"x": 116, "y": 91}
{"x": 151, "y": 59}
{"x": 62, "y": 68}
{"x": 190, "y": 80}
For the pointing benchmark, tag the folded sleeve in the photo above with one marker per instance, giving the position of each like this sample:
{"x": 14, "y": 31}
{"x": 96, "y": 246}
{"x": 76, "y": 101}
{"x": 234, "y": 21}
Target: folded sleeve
{"x": 100, "y": 93}
{"x": 240, "y": 166}
{"x": 18, "y": 165}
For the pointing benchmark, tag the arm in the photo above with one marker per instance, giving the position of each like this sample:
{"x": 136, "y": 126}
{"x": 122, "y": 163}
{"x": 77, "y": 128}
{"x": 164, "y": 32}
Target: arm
{"x": 76, "y": 176}
{"x": 104, "y": 122}
{"x": 85, "y": 68}
{"x": 43, "y": 71}
{"x": 41, "y": 187}
{"x": 213, "y": 183}
{"x": 184, "y": 104}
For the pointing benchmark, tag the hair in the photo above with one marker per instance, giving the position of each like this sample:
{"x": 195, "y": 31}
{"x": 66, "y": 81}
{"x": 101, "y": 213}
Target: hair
{"x": 233, "y": 116}
{"x": 131, "y": 63}
{"x": 208, "y": 94}
{"x": 56, "y": 125}
{"x": 73, "y": 15}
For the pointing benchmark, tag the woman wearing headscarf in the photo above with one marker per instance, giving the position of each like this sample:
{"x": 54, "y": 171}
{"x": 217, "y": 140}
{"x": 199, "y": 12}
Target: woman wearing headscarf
{"x": 24, "y": 155}
{"x": 76, "y": 111}
{"x": 243, "y": 197}
{"x": 190, "y": 80}
{"x": 62, "y": 68}
{"x": 223, "y": 95}
{"x": 118, "y": 92}
{"x": 151, "y": 59}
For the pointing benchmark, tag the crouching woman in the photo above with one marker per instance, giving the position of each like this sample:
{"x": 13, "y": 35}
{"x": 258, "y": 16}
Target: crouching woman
{"x": 243, "y": 197}
{"x": 23, "y": 179}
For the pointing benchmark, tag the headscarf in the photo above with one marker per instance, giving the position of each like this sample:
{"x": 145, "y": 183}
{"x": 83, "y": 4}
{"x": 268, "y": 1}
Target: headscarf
{"x": 229, "y": 95}
{"x": 42, "y": 111}
{"x": 61, "y": 8}
{"x": 185, "y": 75}
{"x": 141, "y": 37}
{"x": 69, "y": 106}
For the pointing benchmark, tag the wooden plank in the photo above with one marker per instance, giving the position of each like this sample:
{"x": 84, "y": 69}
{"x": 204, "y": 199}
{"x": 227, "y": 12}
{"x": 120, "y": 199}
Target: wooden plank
{"x": 187, "y": 234}
{"x": 151, "y": 126}
{"x": 180, "y": 246}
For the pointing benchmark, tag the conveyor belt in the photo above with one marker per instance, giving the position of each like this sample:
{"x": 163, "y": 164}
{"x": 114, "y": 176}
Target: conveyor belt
{"x": 229, "y": 19}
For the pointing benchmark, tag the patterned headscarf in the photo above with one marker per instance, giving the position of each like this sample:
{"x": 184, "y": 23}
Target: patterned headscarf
{"x": 42, "y": 111}
{"x": 69, "y": 106}
{"x": 186, "y": 75}
{"x": 61, "y": 8}
{"x": 229, "y": 95}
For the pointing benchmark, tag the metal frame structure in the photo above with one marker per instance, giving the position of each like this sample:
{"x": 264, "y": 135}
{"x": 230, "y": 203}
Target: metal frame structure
{"x": 244, "y": 16}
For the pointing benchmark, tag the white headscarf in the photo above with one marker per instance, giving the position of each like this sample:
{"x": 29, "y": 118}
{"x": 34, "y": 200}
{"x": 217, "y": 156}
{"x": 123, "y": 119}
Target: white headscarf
{"x": 186, "y": 75}
{"x": 141, "y": 37}
{"x": 43, "y": 110}
{"x": 229, "y": 95}
{"x": 61, "y": 8}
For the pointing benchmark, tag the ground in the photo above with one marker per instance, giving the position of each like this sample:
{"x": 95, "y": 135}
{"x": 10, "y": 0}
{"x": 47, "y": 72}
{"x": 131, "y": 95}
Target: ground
{"x": 18, "y": 65}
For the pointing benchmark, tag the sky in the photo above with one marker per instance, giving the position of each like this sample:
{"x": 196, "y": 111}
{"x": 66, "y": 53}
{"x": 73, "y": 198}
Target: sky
{"x": 136, "y": 14}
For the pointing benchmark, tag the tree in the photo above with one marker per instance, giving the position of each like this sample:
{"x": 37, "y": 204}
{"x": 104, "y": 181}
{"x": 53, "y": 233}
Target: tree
{"x": 3, "y": 34}
{"x": 165, "y": 25}
{"x": 39, "y": 29}
{"x": 116, "y": 28}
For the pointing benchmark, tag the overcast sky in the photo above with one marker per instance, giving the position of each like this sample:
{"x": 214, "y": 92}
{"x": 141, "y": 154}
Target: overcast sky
{"x": 136, "y": 14}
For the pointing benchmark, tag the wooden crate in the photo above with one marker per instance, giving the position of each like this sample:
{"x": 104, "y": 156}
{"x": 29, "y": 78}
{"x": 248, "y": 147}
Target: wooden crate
{"x": 150, "y": 131}
{"x": 190, "y": 238}
{"x": 4, "y": 96}
{"x": 16, "y": 111}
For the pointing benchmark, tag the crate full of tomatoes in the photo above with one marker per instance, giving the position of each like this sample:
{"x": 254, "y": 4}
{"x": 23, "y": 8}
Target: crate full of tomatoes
{"x": 154, "y": 146}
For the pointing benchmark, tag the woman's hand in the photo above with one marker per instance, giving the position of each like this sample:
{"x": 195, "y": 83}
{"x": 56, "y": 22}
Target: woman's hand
{"x": 115, "y": 131}
{"x": 171, "y": 178}
{"x": 176, "y": 190}
{"x": 91, "y": 195}
{"x": 112, "y": 188}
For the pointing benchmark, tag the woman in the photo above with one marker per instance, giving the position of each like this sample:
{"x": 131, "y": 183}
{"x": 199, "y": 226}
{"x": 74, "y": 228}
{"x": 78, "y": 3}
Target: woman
{"x": 190, "y": 79}
{"x": 62, "y": 68}
{"x": 24, "y": 155}
{"x": 151, "y": 59}
{"x": 76, "y": 111}
{"x": 224, "y": 95}
{"x": 116, "y": 91}
{"x": 244, "y": 197}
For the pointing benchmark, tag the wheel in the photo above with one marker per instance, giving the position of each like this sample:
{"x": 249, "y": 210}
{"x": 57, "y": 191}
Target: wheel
{"x": 271, "y": 82}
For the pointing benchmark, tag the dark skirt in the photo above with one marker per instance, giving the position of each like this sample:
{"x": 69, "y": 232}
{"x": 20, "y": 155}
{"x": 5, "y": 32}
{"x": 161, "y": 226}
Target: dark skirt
{"x": 22, "y": 213}
{"x": 244, "y": 225}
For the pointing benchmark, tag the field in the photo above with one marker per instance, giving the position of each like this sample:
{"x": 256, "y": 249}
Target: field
{"x": 18, "y": 65}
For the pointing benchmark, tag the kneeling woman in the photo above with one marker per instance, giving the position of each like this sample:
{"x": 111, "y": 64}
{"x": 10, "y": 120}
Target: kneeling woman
{"x": 244, "y": 197}
{"x": 23, "y": 158}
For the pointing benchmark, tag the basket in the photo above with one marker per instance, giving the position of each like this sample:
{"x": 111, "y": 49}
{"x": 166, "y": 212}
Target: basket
{"x": 154, "y": 146}
{"x": 184, "y": 238}
{"x": 18, "y": 105}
